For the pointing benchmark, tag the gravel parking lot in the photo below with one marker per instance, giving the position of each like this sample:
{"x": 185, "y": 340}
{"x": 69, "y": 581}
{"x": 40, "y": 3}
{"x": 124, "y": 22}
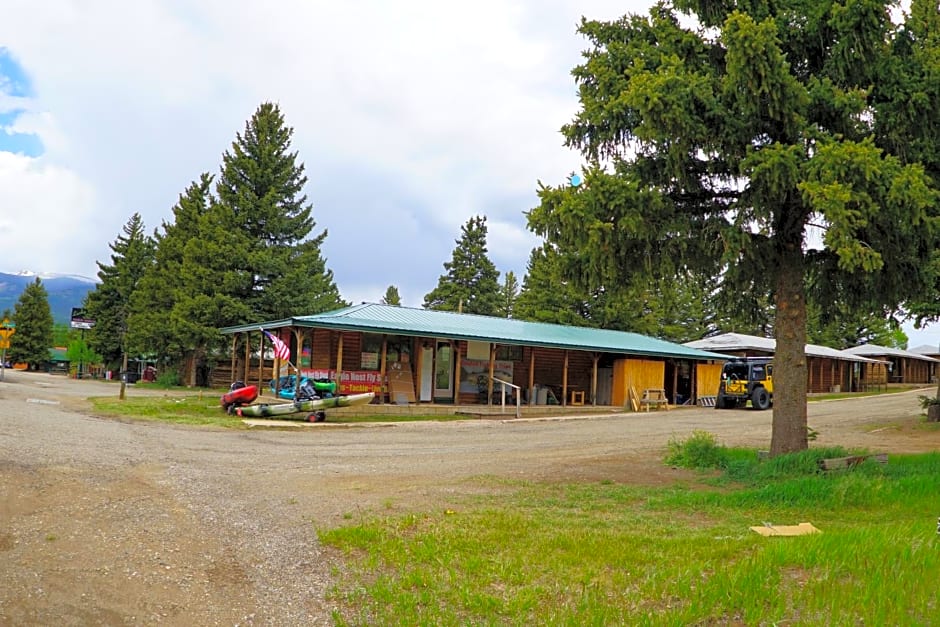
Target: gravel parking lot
{"x": 115, "y": 522}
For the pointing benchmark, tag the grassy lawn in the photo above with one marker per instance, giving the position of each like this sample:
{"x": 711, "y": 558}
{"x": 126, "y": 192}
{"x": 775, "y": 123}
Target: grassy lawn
{"x": 603, "y": 553}
{"x": 204, "y": 409}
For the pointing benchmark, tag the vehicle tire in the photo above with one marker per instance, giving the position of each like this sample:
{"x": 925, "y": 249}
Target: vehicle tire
{"x": 760, "y": 399}
{"x": 720, "y": 402}
{"x": 321, "y": 416}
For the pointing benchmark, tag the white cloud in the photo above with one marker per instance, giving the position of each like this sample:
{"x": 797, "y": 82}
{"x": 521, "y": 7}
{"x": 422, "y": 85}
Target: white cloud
{"x": 411, "y": 117}
{"x": 47, "y": 218}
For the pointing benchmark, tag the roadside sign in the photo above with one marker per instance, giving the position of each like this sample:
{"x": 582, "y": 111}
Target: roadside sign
{"x": 7, "y": 329}
{"x": 79, "y": 320}
{"x": 4, "y": 343}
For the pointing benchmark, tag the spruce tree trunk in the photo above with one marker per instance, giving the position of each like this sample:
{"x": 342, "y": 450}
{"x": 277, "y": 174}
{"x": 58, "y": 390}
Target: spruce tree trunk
{"x": 789, "y": 421}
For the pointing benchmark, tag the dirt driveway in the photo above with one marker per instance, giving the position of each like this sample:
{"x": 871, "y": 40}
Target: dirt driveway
{"x": 120, "y": 522}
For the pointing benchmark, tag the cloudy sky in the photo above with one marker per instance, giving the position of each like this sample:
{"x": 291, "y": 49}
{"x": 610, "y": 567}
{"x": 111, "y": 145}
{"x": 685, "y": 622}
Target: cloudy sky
{"x": 411, "y": 117}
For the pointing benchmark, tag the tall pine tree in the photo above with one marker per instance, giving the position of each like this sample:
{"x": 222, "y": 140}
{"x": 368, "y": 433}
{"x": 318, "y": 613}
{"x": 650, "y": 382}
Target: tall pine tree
{"x": 32, "y": 340}
{"x": 182, "y": 300}
{"x": 276, "y": 269}
{"x": 471, "y": 284}
{"x": 714, "y": 148}
{"x": 132, "y": 254}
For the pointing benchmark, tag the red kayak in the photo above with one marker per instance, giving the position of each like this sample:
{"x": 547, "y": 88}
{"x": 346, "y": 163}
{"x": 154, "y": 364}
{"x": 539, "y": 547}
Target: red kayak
{"x": 239, "y": 396}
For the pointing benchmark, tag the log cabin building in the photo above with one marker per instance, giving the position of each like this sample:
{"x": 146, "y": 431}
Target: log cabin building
{"x": 827, "y": 369}
{"x": 902, "y": 366}
{"x": 414, "y": 356}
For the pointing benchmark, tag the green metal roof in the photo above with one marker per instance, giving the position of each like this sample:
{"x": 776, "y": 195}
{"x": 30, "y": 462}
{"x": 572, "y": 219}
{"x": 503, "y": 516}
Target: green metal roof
{"x": 58, "y": 354}
{"x": 372, "y": 318}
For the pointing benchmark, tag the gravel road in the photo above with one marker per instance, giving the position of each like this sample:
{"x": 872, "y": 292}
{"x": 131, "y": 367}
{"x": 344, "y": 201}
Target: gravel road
{"x": 115, "y": 522}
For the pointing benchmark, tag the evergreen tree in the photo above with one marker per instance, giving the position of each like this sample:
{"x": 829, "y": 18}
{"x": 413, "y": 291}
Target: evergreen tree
{"x": 471, "y": 284}
{"x": 275, "y": 268}
{"x": 839, "y": 328}
{"x": 132, "y": 254}
{"x": 713, "y": 149}
{"x": 32, "y": 340}
{"x": 181, "y": 300}
{"x": 508, "y": 292}
{"x": 677, "y": 310}
{"x": 546, "y": 296}
{"x": 392, "y": 296}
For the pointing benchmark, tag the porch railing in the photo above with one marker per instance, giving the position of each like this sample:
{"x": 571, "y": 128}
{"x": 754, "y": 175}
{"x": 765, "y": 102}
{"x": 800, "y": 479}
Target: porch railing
{"x": 502, "y": 395}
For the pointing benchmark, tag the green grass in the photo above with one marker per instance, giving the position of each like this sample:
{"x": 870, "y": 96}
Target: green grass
{"x": 193, "y": 409}
{"x": 605, "y": 553}
{"x": 204, "y": 409}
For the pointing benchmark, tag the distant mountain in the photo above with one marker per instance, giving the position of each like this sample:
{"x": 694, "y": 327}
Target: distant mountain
{"x": 65, "y": 291}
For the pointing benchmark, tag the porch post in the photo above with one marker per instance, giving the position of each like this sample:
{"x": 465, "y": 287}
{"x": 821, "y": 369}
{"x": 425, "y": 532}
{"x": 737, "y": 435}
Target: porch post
{"x": 456, "y": 367}
{"x": 299, "y": 341}
{"x": 489, "y": 384}
{"x": 234, "y": 348}
{"x": 339, "y": 364}
{"x": 419, "y": 367}
{"x": 564, "y": 382}
{"x": 595, "y": 358}
{"x": 382, "y": 367}
{"x": 261, "y": 362}
{"x": 246, "y": 377}
{"x": 532, "y": 398}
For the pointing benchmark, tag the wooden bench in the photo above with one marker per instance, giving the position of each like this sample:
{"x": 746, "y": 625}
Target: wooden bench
{"x": 654, "y": 397}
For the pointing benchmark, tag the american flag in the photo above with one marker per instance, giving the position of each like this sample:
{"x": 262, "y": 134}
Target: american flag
{"x": 281, "y": 350}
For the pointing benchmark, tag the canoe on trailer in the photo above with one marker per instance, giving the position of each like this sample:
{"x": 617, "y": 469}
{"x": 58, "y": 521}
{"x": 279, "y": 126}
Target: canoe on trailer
{"x": 263, "y": 410}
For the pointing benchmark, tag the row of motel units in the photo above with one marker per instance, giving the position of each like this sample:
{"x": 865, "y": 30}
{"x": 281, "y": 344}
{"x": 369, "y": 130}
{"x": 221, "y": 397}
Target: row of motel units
{"x": 407, "y": 355}
{"x": 830, "y": 370}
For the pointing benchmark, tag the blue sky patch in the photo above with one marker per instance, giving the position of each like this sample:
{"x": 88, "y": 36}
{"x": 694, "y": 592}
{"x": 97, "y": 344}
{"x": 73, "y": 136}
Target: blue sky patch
{"x": 22, "y": 143}
{"x": 14, "y": 82}
{"x": 13, "y": 79}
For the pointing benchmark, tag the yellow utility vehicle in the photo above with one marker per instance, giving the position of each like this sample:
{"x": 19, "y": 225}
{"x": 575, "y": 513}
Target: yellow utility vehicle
{"x": 744, "y": 380}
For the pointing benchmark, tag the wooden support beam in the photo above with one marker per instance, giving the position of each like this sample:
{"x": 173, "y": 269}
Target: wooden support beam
{"x": 260, "y": 362}
{"x": 383, "y": 367}
{"x": 564, "y": 382}
{"x": 456, "y": 372}
{"x": 532, "y": 398}
{"x": 234, "y": 349}
{"x": 299, "y": 342}
{"x": 839, "y": 463}
{"x": 339, "y": 363}
{"x": 595, "y": 358}
{"x": 489, "y": 385}
{"x": 247, "y": 372}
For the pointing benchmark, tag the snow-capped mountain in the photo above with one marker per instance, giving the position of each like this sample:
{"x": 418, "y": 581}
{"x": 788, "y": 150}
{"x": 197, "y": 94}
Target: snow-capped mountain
{"x": 65, "y": 291}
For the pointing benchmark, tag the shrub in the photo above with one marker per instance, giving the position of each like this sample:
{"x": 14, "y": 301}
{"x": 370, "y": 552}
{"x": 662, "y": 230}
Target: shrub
{"x": 168, "y": 378}
{"x": 701, "y": 451}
